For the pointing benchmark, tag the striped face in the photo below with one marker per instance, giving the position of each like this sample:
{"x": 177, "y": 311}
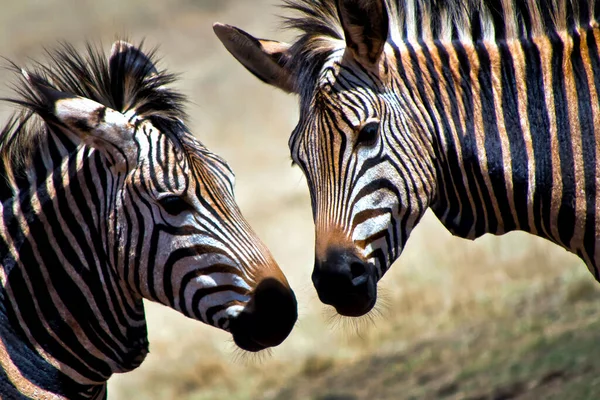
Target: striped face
{"x": 366, "y": 173}
{"x": 366, "y": 181}
{"x": 185, "y": 243}
{"x": 168, "y": 218}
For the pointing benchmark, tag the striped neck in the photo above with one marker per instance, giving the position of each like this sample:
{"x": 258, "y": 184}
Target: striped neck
{"x": 61, "y": 292}
{"x": 513, "y": 127}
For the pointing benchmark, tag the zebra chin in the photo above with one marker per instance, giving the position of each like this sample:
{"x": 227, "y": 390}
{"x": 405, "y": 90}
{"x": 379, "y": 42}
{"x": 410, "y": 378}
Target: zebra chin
{"x": 267, "y": 319}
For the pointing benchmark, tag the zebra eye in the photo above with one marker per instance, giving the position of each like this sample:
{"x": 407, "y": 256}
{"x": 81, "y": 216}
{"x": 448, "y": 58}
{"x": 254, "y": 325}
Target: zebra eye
{"x": 174, "y": 205}
{"x": 368, "y": 134}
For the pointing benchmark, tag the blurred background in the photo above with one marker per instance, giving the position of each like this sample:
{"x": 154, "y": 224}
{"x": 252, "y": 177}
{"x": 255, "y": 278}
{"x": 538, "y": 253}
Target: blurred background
{"x": 497, "y": 318}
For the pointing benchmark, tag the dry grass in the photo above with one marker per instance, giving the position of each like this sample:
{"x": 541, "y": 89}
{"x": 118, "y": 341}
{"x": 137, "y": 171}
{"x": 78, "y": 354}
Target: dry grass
{"x": 441, "y": 285}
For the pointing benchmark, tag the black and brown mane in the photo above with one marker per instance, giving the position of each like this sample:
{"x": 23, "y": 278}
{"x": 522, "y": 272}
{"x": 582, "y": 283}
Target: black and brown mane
{"x": 419, "y": 21}
{"x": 453, "y": 19}
{"x": 124, "y": 83}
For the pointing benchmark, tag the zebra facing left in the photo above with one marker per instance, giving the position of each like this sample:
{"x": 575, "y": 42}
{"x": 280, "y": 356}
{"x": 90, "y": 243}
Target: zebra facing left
{"x": 106, "y": 198}
{"x": 485, "y": 111}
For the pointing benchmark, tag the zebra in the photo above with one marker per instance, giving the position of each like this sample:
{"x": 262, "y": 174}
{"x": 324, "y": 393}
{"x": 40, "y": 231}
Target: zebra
{"x": 485, "y": 111}
{"x": 106, "y": 198}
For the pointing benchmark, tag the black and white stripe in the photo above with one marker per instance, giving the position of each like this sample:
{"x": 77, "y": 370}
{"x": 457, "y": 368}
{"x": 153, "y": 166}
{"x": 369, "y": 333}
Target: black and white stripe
{"x": 105, "y": 199}
{"x": 487, "y": 111}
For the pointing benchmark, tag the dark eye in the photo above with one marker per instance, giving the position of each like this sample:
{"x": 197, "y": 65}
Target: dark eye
{"x": 368, "y": 134}
{"x": 174, "y": 205}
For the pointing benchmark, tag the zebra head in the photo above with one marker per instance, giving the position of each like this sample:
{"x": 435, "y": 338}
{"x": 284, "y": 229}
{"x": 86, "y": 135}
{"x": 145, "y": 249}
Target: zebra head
{"x": 366, "y": 169}
{"x": 164, "y": 204}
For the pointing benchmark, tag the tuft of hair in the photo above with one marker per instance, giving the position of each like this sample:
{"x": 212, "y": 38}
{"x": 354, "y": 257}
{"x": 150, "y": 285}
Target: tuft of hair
{"x": 317, "y": 18}
{"x": 128, "y": 80}
{"x": 319, "y": 28}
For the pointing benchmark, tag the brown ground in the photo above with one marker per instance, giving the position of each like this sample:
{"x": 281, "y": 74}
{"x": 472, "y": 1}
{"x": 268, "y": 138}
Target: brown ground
{"x": 499, "y": 318}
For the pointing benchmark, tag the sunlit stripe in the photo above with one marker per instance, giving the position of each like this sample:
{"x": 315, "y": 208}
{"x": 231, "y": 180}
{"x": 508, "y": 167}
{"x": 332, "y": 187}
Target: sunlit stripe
{"x": 23, "y": 385}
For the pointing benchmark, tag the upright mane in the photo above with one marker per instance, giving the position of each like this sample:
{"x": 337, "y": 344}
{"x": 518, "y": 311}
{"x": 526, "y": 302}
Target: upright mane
{"x": 417, "y": 21}
{"x": 128, "y": 80}
{"x": 468, "y": 20}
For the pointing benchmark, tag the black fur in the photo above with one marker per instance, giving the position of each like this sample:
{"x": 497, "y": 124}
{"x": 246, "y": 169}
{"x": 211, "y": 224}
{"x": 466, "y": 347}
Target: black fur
{"x": 128, "y": 81}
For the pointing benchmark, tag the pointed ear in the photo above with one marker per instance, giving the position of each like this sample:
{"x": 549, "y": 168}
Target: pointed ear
{"x": 266, "y": 59}
{"x": 366, "y": 25}
{"x": 96, "y": 125}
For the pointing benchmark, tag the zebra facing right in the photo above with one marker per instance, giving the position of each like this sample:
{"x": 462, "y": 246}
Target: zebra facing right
{"x": 487, "y": 111}
{"x": 106, "y": 198}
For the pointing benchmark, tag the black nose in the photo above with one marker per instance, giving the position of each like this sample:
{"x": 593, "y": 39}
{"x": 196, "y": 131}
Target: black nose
{"x": 346, "y": 282}
{"x": 267, "y": 319}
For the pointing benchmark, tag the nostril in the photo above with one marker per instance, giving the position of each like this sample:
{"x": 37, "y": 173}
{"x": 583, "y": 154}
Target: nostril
{"x": 357, "y": 269}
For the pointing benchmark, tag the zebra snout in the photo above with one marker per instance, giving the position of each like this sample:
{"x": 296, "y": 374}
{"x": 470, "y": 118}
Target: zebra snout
{"x": 346, "y": 282}
{"x": 267, "y": 319}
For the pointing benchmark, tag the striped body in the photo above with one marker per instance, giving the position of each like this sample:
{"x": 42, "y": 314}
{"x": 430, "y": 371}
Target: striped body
{"x": 105, "y": 199}
{"x": 508, "y": 154}
{"x": 61, "y": 294}
{"x": 487, "y": 111}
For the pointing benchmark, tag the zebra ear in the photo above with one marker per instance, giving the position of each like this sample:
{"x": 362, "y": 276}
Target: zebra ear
{"x": 266, "y": 59}
{"x": 366, "y": 25}
{"x": 96, "y": 125}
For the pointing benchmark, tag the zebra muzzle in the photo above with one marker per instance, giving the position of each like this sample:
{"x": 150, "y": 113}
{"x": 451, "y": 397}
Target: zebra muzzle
{"x": 267, "y": 319}
{"x": 346, "y": 282}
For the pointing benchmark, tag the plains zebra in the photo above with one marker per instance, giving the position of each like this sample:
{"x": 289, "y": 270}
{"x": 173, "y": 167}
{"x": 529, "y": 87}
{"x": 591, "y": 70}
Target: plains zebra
{"x": 107, "y": 198}
{"x": 487, "y": 111}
